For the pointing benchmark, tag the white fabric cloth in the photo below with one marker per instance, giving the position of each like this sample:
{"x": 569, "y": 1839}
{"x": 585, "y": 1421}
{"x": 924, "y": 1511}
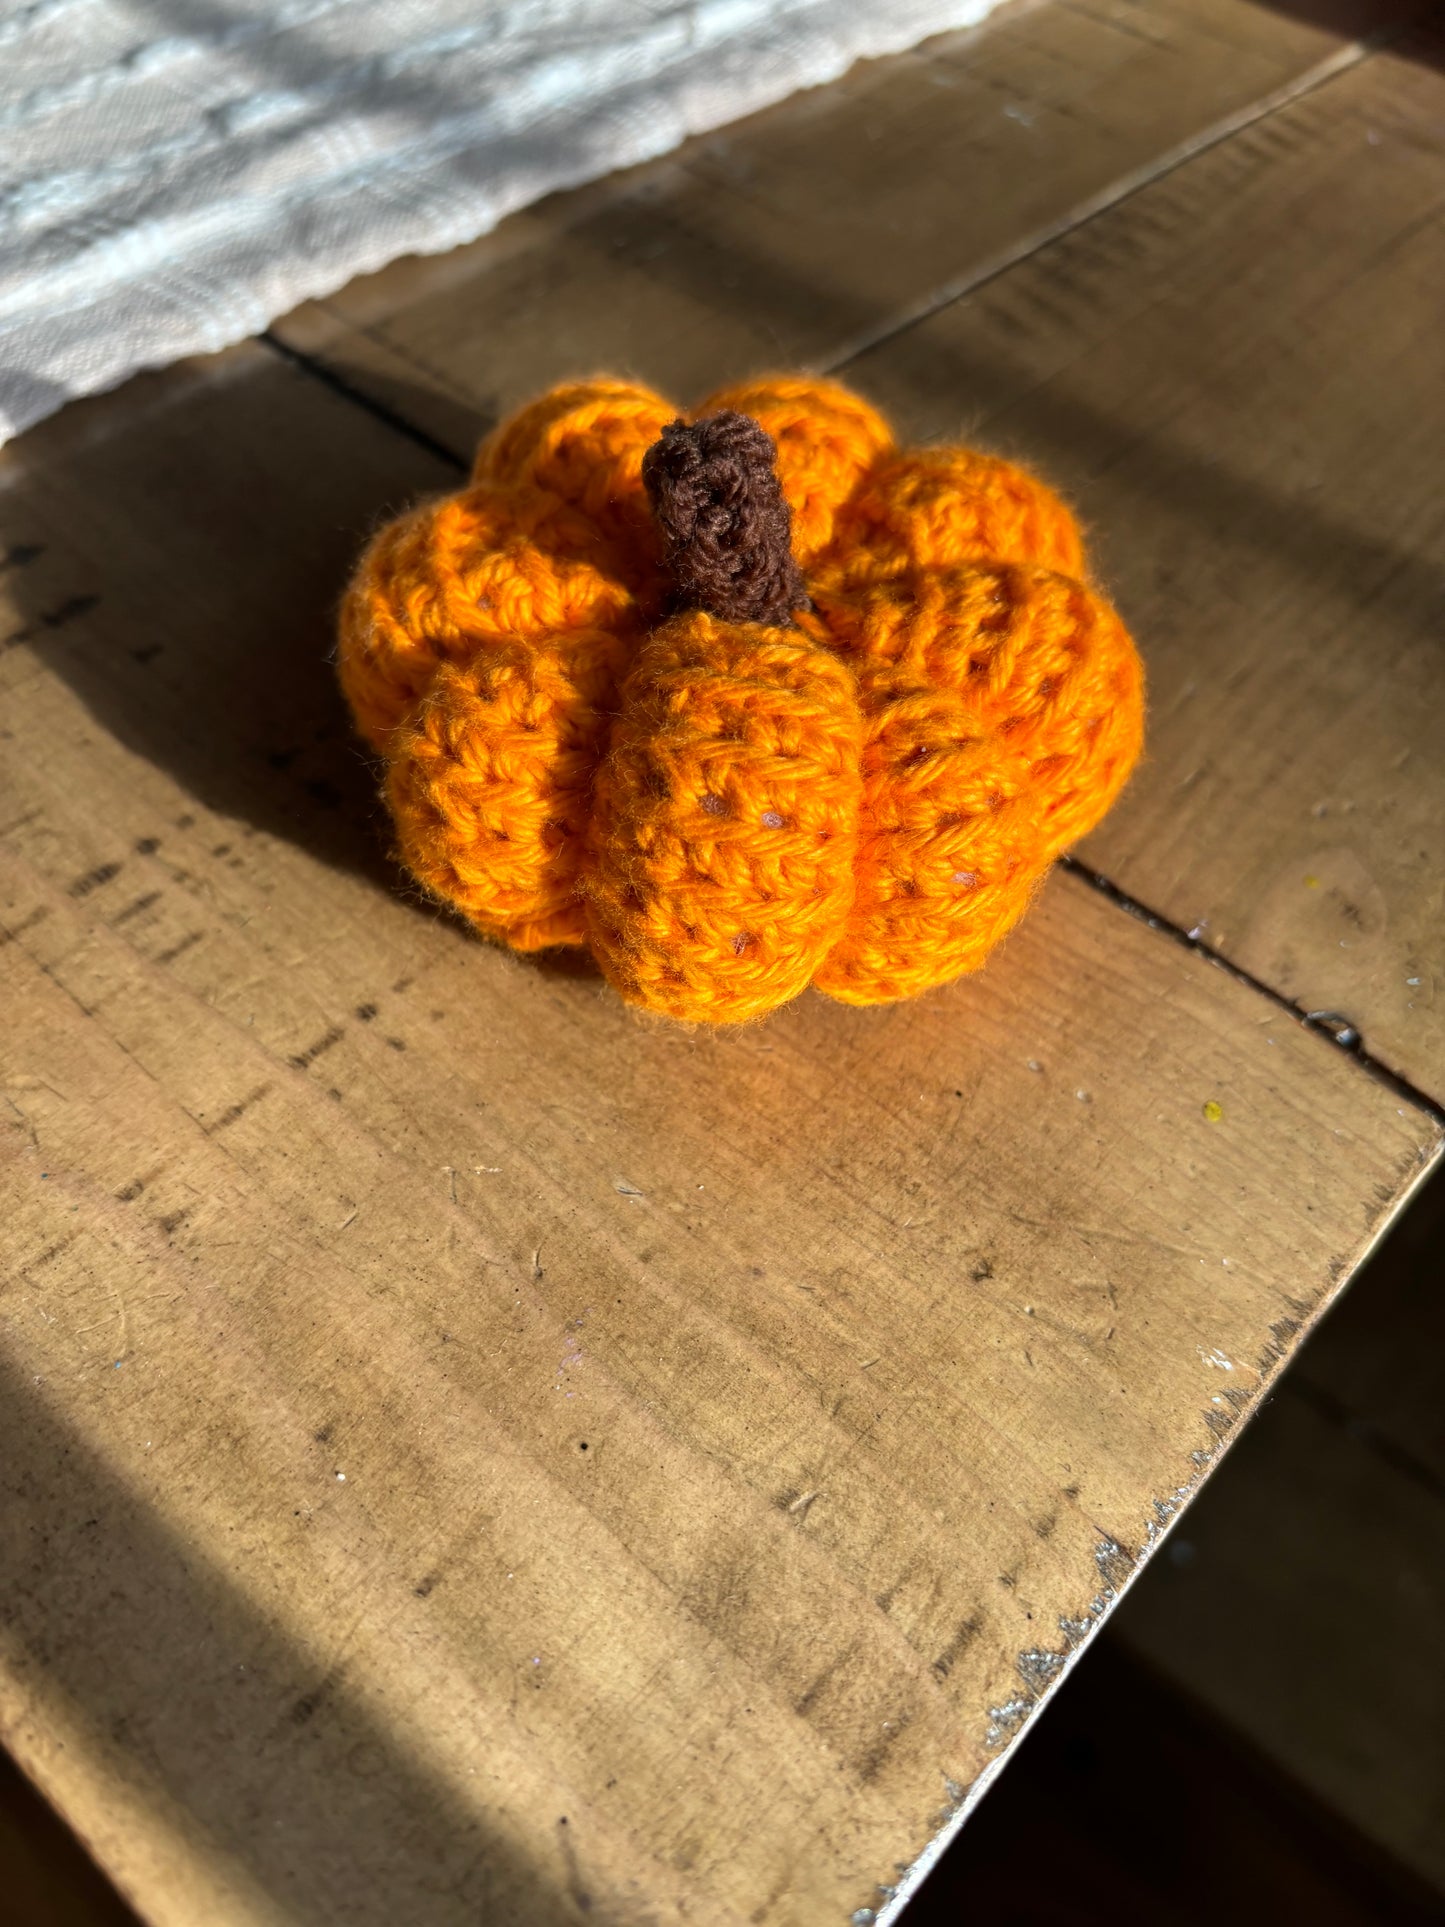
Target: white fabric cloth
{"x": 174, "y": 174}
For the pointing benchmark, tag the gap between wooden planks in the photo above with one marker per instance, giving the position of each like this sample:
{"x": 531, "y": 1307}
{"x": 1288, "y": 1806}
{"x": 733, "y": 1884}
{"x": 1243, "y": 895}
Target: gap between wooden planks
{"x": 894, "y": 1339}
{"x": 1189, "y": 260}
{"x": 1316, "y": 1655}
{"x": 833, "y": 218}
{"x": 729, "y": 1409}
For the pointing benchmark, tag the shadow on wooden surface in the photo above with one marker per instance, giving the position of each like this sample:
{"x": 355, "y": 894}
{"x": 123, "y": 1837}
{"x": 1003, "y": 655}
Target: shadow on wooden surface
{"x": 1251, "y": 1675}
{"x": 297, "y": 1798}
{"x": 1358, "y": 19}
{"x": 235, "y": 694}
{"x": 1133, "y": 1802}
{"x": 1129, "y": 1806}
{"x": 244, "y": 711}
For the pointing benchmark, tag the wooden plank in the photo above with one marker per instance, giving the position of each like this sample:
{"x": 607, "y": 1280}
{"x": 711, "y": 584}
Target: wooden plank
{"x": 1300, "y": 1600}
{"x": 1237, "y": 374}
{"x": 1271, "y": 301}
{"x": 801, "y": 232}
{"x": 467, "y": 1451}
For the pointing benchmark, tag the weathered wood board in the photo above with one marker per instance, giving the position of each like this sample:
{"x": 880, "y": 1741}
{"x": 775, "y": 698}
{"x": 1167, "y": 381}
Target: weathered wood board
{"x": 800, "y": 233}
{"x": 467, "y": 1451}
{"x": 1202, "y": 289}
{"x": 1238, "y": 374}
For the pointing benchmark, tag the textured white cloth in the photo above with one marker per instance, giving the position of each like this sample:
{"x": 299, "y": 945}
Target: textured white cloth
{"x": 176, "y": 173}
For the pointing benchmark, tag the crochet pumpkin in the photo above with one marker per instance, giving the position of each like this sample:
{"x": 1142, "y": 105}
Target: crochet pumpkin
{"x": 741, "y": 705}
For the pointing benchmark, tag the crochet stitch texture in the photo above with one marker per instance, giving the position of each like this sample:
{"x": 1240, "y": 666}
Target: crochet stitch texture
{"x": 740, "y": 705}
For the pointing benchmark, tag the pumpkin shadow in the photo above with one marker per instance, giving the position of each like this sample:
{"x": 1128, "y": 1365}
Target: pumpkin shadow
{"x": 176, "y": 554}
{"x": 178, "y": 550}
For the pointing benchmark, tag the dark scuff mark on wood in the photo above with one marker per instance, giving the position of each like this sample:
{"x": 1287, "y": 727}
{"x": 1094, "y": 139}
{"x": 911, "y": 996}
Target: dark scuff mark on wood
{"x": 94, "y": 879}
{"x": 309, "y": 1704}
{"x": 188, "y": 942}
{"x": 304, "y": 1058}
{"x": 49, "y": 1255}
{"x": 808, "y": 1698}
{"x": 136, "y": 909}
{"x": 872, "y": 1762}
{"x": 238, "y": 1109}
{"x": 884, "y": 1600}
{"x": 581, "y": 1898}
{"x": 59, "y": 617}
{"x": 17, "y": 930}
{"x": 964, "y": 1635}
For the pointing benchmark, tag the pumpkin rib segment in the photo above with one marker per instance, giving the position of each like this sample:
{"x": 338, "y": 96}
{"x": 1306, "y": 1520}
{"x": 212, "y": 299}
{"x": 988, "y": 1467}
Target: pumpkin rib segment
{"x": 1002, "y": 712}
{"x": 724, "y": 821}
{"x": 490, "y": 784}
{"x": 455, "y": 576}
{"x": 584, "y": 442}
{"x": 936, "y": 507}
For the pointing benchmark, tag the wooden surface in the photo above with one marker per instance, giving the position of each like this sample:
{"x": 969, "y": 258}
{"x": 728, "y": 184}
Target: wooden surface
{"x": 466, "y": 1450}
{"x": 800, "y": 234}
{"x": 1203, "y": 291}
{"x": 1238, "y": 374}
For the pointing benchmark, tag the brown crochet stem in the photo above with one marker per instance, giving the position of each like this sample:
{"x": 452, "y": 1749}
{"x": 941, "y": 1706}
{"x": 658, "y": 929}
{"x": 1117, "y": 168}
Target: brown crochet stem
{"x": 726, "y": 528}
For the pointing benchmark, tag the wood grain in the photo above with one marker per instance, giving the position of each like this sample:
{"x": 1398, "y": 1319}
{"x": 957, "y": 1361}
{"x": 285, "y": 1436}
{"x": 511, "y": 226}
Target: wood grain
{"x": 467, "y": 1450}
{"x": 800, "y": 233}
{"x": 1201, "y": 288}
{"x": 1237, "y": 374}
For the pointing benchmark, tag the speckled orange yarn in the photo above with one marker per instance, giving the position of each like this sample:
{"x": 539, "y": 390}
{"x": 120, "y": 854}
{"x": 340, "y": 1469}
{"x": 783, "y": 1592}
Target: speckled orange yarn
{"x": 725, "y": 819}
{"x": 725, "y": 811}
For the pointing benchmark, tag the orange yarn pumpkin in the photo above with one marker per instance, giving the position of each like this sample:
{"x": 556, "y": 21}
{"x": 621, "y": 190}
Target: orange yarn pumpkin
{"x": 859, "y": 787}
